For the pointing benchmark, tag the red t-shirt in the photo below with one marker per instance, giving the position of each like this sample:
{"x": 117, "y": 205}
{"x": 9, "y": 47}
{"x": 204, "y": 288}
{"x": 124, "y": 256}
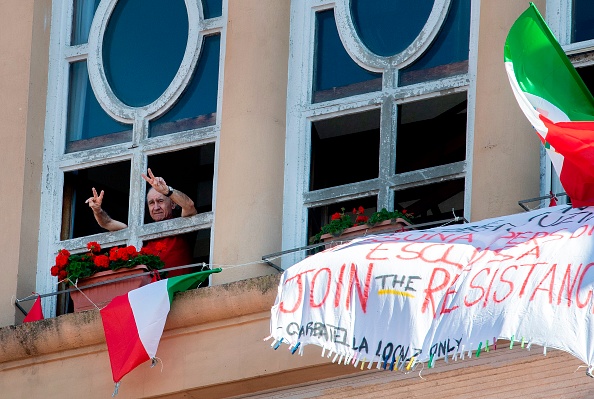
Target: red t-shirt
{"x": 174, "y": 251}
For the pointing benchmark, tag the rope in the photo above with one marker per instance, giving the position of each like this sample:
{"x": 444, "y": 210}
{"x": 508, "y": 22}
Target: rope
{"x": 83, "y": 294}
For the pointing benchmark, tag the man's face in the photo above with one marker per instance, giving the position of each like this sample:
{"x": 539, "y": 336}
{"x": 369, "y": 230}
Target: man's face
{"x": 160, "y": 206}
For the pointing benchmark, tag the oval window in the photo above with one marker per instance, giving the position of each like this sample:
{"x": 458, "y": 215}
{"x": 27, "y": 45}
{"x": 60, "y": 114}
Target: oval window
{"x": 388, "y": 27}
{"x": 143, "y": 46}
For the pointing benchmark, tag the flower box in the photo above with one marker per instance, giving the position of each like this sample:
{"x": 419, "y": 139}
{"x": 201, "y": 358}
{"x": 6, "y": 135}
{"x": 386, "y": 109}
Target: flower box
{"x": 387, "y": 226}
{"x": 101, "y": 295}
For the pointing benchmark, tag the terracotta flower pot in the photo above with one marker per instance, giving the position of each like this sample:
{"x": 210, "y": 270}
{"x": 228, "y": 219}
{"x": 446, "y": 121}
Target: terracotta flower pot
{"x": 387, "y": 226}
{"x": 101, "y": 295}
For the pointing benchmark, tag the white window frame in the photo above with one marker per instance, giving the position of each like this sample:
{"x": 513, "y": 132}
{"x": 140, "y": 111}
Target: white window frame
{"x": 558, "y": 17}
{"x": 301, "y": 112}
{"x": 56, "y": 162}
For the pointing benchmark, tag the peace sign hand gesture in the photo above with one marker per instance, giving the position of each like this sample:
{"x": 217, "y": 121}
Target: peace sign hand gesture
{"x": 95, "y": 201}
{"x": 158, "y": 183}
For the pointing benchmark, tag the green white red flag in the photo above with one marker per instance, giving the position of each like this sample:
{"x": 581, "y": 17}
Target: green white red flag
{"x": 134, "y": 322}
{"x": 555, "y": 100}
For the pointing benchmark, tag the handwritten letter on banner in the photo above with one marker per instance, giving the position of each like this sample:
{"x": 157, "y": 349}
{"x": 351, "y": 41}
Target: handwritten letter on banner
{"x": 435, "y": 293}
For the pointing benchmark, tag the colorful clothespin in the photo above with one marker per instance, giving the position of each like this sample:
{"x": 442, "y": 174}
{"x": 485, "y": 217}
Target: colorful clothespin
{"x": 522, "y": 346}
{"x": 494, "y": 343}
{"x": 462, "y": 352}
{"x": 278, "y": 344}
{"x": 410, "y": 363}
{"x": 511, "y": 342}
{"x": 478, "y": 351}
{"x": 295, "y": 348}
{"x": 487, "y": 346}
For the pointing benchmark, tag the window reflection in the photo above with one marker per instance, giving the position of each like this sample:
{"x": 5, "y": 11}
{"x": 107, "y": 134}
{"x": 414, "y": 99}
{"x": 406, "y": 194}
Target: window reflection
{"x": 336, "y": 75}
{"x": 448, "y": 55}
{"x": 143, "y": 47}
{"x": 583, "y": 20}
{"x": 83, "y": 12}
{"x": 197, "y": 106}
{"x": 387, "y": 27}
{"x": 88, "y": 125}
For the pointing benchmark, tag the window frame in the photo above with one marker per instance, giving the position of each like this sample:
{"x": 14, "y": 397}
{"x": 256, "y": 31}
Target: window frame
{"x": 581, "y": 54}
{"x": 56, "y": 161}
{"x": 301, "y": 112}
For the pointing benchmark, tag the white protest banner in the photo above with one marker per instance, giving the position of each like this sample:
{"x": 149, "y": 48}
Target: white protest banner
{"x": 434, "y": 293}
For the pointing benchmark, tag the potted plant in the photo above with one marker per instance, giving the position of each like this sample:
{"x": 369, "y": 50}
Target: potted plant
{"x": 93, "y": 266}
{"x": 350, "y": 226}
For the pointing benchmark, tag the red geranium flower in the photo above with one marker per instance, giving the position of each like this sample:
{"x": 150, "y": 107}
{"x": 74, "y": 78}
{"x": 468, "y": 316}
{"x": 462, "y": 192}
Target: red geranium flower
{"x": 54, "y": 270}
{"x": 361, "y": 210}
{"x": 101, "y": 261}
{"x": 361, "y": 219}
{"x": 61, "y": 260}
{"x": 131, "y": 250}
{"x": 146, "y": 251}
{"x": 62, "y": 274}
{"x": 94, "y": 247}
{"x": 335, "y": 216}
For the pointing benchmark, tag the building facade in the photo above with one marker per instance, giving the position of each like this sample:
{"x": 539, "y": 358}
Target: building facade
{"x": 271, "y": 115}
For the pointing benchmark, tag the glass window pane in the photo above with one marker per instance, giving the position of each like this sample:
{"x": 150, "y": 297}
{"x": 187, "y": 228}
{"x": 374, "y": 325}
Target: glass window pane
{"x": 583, "y": 20}
{"x": 82, "y": 17}
{"x": 190, "y": 171}
{"x": 432, "y": 202}
{"x": 77, "y": 217}
{"x": 344, "y": 150}
{"x": 88, "y": 125}
{"x": 197, "y": 106}
{"x": 336, "y": 75}
{"x": 321, "y": 215}
{"x": 143, "y": 47}
{"x": 212, "y": 8}
{"x": 431, "y": 133}
{"x": 448, "y": 55}
{"x": 387, "y": 27}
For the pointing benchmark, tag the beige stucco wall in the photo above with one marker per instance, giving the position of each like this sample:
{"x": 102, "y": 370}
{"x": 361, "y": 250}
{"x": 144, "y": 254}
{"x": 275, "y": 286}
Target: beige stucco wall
{"x": 505, "y": 161}
{"x": 249, "y": 190}
{"x": 23, "y": 82}
{"x": 212, "y": 347}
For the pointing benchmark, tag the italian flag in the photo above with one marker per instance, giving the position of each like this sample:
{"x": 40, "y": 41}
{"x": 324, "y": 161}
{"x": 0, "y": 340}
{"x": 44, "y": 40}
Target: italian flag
{"x": 134, "y": 322}
{"x": 555, "y": 100}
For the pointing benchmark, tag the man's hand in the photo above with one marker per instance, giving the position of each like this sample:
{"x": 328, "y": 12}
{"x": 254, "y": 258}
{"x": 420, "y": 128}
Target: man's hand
{"x": 102, "y": 218}
{"x": 177, "y": 197}
{"x": 95, "y": 201}
{"x": 158, "y": 183}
